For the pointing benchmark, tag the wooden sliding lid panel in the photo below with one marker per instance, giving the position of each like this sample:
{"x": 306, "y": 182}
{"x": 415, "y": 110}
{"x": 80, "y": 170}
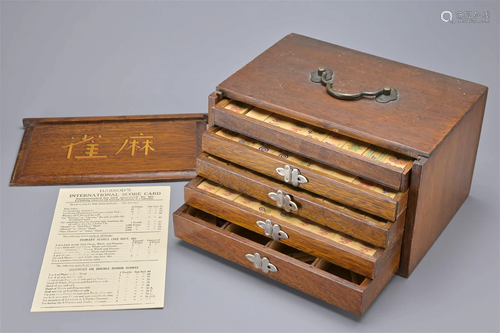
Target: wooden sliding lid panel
{"x": 109, "y": 149}
{"x": 302, "y": 234}
{"x": 343, "y": 153}
{"x": 337, "y": 189}
{"x": 354, "y": 223}
{"x": 319, "y": 278}
{"x": 429, "y": 104}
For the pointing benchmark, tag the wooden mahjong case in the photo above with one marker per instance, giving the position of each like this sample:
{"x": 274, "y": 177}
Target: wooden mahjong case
{"x": 331, "y": 170}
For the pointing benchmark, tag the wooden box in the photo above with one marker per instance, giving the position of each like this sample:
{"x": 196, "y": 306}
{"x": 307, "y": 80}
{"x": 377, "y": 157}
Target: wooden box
{"x": 331, "y": 187}
{"x": 324, "y": 168}
{"x": 331, "y": 182}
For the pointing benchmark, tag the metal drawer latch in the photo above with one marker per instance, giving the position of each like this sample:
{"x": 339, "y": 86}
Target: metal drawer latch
{"x": 272, "y": 230}
{"x": 283, "y": 200}
{"x": 326, "y": 76}
{"x": 261, "y": 263}
{"x": 291, "y": 175}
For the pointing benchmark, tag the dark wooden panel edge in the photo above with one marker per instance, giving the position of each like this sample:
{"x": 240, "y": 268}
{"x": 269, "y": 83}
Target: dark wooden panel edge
{"x": 376, "y": 286}
{"x": 213, "y": 99}
{"x": 439, "y": 186}
{"x": 401, "y": 203}
{"x": 72, "y": 120}
{"x": 17, "y": 174}
{"x": 410, "y": 215}
{"x": 108, "y": 179}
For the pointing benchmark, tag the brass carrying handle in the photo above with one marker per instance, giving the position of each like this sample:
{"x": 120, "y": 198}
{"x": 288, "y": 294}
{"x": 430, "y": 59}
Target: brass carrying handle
{"x": 326, "y": 77}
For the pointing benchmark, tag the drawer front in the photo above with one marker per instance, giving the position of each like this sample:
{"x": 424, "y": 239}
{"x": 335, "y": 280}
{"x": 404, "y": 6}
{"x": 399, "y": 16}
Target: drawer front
{"x": 312, "y": 207}
{"x": 330, "y": 187}
{"x": 301, "y": 234}
{"x": 382, "y": 173}
{"x": 319, "y": 279}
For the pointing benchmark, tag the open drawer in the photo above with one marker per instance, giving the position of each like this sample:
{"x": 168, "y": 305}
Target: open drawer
{"x": 299, "y": 233}
{"x": 354, "y": 223}
{"x": 360, "y": 158}
{"x": 299, "y": 270}
{"x": 335, "y": 185}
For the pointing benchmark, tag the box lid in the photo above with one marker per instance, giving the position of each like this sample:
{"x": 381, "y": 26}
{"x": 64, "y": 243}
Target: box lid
{"x": 428, "y": 106}
{"x": 90, "y": 150}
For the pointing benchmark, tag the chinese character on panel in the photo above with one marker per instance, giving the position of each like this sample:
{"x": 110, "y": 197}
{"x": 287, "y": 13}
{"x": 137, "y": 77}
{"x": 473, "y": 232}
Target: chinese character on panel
{"x": 89, "y": 147}
{"x": 137, "y": 144}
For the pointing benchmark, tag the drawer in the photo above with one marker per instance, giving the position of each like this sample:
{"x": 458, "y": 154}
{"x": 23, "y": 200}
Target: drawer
{"x": 362, "y": 159}
{"x": 321, "y": 180}
{"x": 316, "y": 277}
{"x": 354, "y": 223}
{"x": 299, "y": 233}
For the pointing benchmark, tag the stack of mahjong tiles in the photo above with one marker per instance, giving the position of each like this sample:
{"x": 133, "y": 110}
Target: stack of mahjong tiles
{"x": 241, "y": 139}
{"x": 319, "y": 230}
{"x": 356, "y": 146}
{"x": 312, "y": 196}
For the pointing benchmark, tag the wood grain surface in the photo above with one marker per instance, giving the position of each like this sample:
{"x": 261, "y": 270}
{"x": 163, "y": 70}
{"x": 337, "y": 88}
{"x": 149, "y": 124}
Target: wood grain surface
{"x": 384, "y": 174}
{"x": 310, "y": 206}
{"x": 299, "y": 238}
{"x": 439, "y": 186}
{"x": 429, "y": 104}
{"x": 312, "y": 280}
{"x": 124, "y": 149}
{"x": 329, "y": 187}
{"x": 213, "y": 99}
